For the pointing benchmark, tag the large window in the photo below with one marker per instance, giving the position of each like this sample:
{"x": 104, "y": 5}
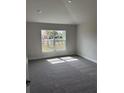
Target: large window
{"x": 53, "y": 40}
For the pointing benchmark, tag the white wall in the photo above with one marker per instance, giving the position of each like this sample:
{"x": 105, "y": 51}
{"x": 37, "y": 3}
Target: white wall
{"x": 87, "y": 40}
{"x": 33, "y": 44}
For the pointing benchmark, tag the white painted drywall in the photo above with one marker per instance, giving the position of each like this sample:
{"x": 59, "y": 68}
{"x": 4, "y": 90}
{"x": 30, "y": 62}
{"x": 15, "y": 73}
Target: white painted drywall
{"x": 87, "y": 40}
{"x": 33, "y": 38}
{"x": 60, "y": 11}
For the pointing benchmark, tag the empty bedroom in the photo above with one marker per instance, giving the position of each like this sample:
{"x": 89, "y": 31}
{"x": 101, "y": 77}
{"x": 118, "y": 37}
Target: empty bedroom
{"x": 61, "y": 46}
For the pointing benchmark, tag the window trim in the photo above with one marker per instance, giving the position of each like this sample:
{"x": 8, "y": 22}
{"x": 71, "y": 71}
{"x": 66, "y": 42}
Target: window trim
{"x": 54, "y": 50}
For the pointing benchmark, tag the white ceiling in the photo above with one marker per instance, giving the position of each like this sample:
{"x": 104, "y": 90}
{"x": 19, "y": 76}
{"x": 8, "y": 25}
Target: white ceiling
{"x": 60, "y": 11}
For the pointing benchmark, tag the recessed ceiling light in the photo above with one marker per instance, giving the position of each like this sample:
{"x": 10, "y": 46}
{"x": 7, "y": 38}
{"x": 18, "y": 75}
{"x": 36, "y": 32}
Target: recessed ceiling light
{"x": 69, "y": 1}
{"x": 39, "y": 11}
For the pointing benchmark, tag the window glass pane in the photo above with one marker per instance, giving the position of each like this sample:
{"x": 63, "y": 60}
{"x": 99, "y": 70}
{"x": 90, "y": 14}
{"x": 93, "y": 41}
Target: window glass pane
{"x": 60, "y": 40}
{"x": 47, "y": 41}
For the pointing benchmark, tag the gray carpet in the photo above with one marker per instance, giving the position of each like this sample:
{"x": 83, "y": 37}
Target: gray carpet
{"x": 79, "y": 76}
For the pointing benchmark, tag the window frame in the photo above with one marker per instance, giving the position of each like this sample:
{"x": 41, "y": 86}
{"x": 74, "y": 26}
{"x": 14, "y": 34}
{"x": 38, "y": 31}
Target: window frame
{"x": 54, "y": 50}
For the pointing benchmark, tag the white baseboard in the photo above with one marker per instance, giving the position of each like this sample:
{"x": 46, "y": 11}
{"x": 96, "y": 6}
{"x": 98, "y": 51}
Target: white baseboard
{"x": 95, "y": 61}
